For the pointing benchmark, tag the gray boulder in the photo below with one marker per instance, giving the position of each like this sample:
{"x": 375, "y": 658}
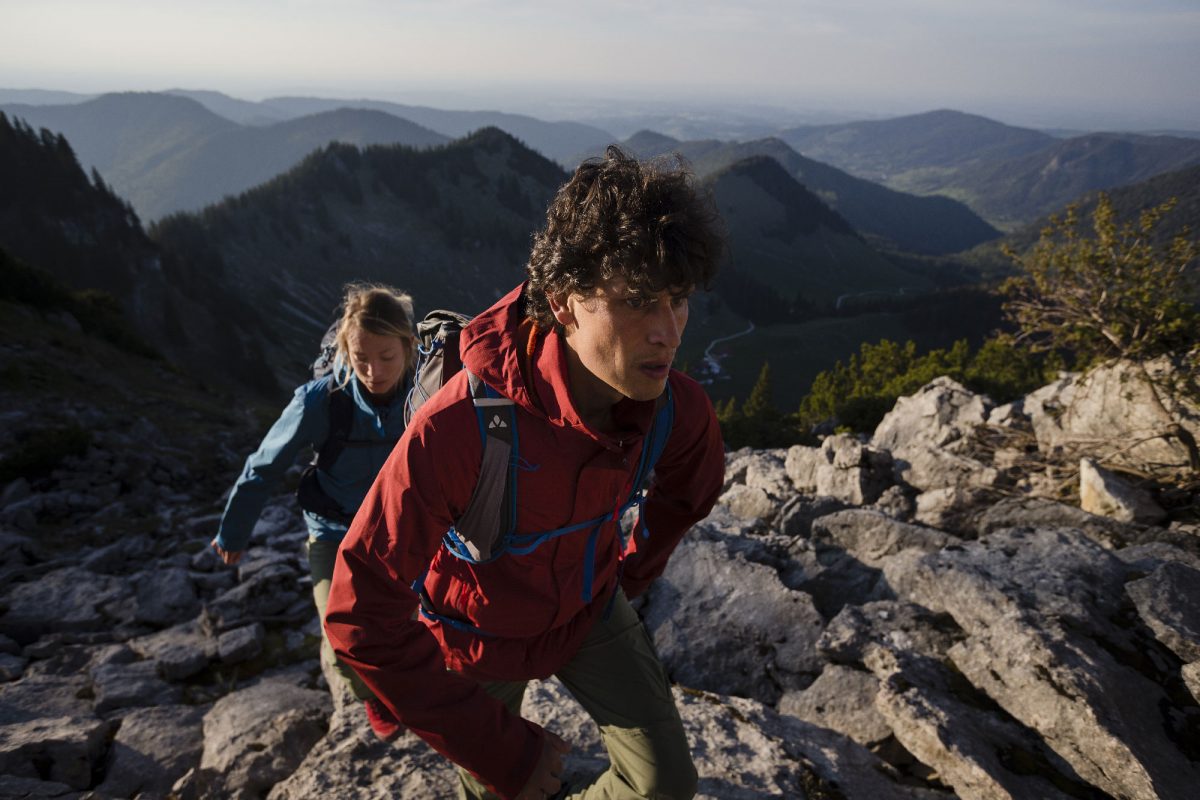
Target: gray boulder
{"x": 929, "y": 435}
{"x": 1114, "y": 415}
{"x": 267, "y": 592}
{"x": 1037, "y": 607}
{"x": 953, "y": 509}
{"x": 797, "y": 515}
{"x": 981, "y": 754}
{"x": 870, "y": 536}
{"x": 801, "y": 466}
{"x": 242, "y": 643}
{"x": 750, "y": 503}
{"x": 852, "y": 472}
{"x": 1169, "y": 602}
{"x": 67, "y": 599}
{"x": 135, "y": 684}
{"x": 165, "y": 596}
{"x": 857, "y": 630}
{"x": 256, "y": 737}
{"x": 843, "y": 700}
{"x": 179, "y": 652}
{"x": 1103, "y": 492}
{"x": 766, "y": 471}
{"x": 1191, "y": 678}
{"x": 724, "y": 623}
{"x": 153, "y": 748}
{"x": 1046, "y": 514}
{"x": 60, "y": 749}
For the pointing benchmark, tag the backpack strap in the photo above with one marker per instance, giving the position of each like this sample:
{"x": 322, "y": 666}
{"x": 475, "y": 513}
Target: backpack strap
{"x": 489, "y": 519}
{"x": 341, "y": 419}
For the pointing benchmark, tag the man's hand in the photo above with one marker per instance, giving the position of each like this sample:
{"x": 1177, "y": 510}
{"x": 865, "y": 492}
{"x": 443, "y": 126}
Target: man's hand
{"x": 230, "y": 557}
{"x": 546, "y": 777}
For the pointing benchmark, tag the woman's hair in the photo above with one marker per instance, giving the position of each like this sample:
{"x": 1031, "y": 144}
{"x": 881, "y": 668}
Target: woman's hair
{"x": 646, "y": 221}
{"x": 378, "y": 309}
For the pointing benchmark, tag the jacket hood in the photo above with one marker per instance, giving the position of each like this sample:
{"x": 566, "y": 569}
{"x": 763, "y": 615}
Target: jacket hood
{"x": 496, "y": 347}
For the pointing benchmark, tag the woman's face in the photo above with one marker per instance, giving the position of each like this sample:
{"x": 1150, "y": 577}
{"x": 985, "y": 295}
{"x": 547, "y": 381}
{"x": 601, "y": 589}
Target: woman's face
{"x": 378, "y": 361}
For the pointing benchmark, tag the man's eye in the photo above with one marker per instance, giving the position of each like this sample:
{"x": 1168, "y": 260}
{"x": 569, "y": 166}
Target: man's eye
{"x": 637, "y": 302}
{"x": 679, "y": 301}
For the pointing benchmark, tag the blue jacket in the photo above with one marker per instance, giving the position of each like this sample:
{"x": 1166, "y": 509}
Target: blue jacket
{"x": 305, "y": 423}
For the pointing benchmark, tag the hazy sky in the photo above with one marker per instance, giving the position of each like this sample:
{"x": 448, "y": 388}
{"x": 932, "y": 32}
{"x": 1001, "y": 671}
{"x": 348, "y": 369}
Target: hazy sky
{"x": 1137, "y": 60}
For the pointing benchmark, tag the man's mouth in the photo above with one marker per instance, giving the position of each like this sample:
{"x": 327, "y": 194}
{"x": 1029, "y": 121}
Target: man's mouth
{"x": 657, "y": 370}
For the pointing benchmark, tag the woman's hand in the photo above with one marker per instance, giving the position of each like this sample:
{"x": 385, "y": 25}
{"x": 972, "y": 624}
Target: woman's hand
{"x": 230, "y": 557}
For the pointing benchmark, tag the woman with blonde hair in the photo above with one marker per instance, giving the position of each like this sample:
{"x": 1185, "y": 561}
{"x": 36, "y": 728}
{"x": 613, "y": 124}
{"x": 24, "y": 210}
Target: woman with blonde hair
{"x": 351, "y": 417}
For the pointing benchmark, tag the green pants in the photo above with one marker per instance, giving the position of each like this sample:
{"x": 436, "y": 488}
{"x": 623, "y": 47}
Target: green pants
{"x": 617, "y": 678}
{"x": 321, "y": 556}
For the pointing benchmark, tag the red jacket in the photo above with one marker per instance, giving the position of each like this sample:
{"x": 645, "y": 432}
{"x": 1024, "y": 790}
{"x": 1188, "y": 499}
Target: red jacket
{"x": 531, "y": 605}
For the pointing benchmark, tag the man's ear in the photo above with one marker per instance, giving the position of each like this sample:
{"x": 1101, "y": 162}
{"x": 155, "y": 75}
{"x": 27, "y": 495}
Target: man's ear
{"x": 560, "y": 307}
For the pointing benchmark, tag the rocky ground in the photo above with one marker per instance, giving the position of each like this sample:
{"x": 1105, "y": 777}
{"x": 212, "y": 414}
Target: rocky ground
{"x": 927, "y": 614}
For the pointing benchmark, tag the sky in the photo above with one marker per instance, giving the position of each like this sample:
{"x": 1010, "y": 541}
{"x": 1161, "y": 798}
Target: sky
{"x": 1131, "y": 64}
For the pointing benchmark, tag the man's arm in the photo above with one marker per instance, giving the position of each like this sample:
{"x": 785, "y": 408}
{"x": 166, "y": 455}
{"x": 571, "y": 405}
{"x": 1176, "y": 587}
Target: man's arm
{"x": 687, "y": 482}
{"x": 369, "y": 619}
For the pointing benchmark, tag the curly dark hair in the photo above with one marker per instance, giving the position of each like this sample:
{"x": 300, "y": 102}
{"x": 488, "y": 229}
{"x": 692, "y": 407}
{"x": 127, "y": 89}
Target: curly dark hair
{"x": 646, "y": 221}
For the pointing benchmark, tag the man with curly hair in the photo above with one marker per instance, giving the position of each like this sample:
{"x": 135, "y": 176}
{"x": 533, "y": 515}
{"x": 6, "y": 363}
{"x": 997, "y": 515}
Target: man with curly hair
{"x": 577, "y": 360}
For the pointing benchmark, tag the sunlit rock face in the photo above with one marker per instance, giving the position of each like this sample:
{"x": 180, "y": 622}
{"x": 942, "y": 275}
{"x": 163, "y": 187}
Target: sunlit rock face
{"x": 908, "y": 617}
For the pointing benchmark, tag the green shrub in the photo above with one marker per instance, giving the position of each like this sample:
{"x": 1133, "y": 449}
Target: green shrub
{"x": 857, "y": 395}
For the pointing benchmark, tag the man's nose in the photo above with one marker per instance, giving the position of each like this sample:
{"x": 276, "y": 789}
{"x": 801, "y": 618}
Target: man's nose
{"x": 667, "y": 326}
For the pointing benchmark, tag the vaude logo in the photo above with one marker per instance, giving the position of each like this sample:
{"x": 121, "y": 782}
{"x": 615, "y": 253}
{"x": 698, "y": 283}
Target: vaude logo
{"x": 497, "y": 422}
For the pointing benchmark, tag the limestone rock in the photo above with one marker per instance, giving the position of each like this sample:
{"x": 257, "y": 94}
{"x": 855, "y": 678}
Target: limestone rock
{"x": 1102, "y": 492}
{"x": 857, "y": 630}
{"x": 1169, "y": 602}
{"x": 242, "y": 643}
{"x": 942, "y": 413}
{"x": 801, "y": 466}
{"x": 740, "y": 748}
{"x": 34, "y": 789}
{"x": 749, "y": 503}
{"x": 1112, "y": 414}
{"x": 256, "y": 737}
{"x": 870, "y": 536}
{"x": 165, "y": 596}
{"x": 179, "y": 652}
{"x": 797, "y": 515}
{"x": 153, "y": 748}
{"x": 66, "y": 749}
{"x": 982, "y": 755}
{"x": 1191, "y": 678}
{"x": 953, "y": 508}
{"x": 766, "y": 471}
{"x": 136, "y": 684}
{"x": 11, "y": 667}
{"x": 35, "y": 696}
{"x": 67, "y": 599}
{"x": 841, "y": 699}
{"x": 852, "y": 472}
{"x": 350, "y": 762}
{"x": 1042, "y": 513}
{"x": 723, "y": 623}
{"x": 1037, "y": 608}
{"x": 898, "y": 502}
{"x": 268, "y": 591}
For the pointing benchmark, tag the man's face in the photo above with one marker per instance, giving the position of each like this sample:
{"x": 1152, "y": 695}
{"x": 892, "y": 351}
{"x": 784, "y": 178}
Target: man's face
{"x": 622, "y": 342}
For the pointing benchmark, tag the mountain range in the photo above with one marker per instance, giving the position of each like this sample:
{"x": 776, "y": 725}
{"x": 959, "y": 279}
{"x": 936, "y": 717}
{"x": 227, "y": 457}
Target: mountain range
{"x": 1010, "y": 176}
{"x": 933, "y": 225}
{"x": 820, "y": 260}
{"x": 166, "y": 153}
